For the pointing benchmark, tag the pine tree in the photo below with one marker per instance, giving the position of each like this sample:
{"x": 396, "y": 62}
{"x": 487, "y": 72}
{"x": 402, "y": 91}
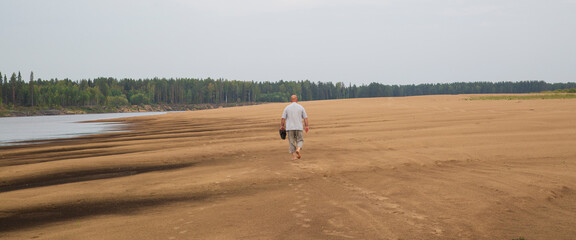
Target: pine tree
{"x": 13, "y": 84}
{"x": 19, "y": 94}
{"x": 5, "y": 89}
{"x": 31, "y": 89}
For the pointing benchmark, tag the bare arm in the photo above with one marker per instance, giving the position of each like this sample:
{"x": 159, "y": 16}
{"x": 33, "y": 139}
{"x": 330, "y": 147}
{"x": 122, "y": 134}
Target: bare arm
{"x": 306, "y": 125}
{"x": 283, "y": 124}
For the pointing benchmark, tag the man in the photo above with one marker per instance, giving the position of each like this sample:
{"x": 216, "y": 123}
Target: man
{"x": 292, "y": 121}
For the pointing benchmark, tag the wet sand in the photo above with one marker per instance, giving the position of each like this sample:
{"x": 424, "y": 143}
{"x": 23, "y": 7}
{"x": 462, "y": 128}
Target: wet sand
{"x": 431, "y": 167}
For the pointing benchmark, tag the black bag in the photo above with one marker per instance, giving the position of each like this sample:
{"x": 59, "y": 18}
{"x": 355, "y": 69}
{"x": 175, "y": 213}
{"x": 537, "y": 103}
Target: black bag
{"x": 282, "y": 134}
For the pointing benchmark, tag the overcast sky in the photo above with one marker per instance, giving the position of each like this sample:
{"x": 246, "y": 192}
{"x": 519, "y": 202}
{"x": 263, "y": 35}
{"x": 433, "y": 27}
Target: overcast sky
{"x": 351, "y": 41}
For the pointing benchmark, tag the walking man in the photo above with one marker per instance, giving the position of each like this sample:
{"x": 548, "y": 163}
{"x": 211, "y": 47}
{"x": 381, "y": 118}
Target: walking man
{"x": 292, "y": 121}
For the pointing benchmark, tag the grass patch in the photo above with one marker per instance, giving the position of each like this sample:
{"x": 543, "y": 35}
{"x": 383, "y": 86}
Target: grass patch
{"x": 525, "y": 97}
{"x": 569, "y": 90}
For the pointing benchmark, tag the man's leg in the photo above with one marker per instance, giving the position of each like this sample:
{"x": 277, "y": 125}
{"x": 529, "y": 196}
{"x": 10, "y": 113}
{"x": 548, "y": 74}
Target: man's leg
{"x": 299, "y": 142}
{"x": 292, "y": 141}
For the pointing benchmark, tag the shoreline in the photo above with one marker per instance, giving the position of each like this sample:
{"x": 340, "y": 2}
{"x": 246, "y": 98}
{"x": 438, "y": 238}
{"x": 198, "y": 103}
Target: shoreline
{"x": 40, "y": 111}
{"x": 41, "y": 129}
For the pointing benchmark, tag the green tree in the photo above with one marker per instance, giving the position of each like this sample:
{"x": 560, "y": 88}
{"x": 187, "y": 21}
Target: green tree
{"x": 19, "y": 90}
{"x": 6, "y": 89}
{"x": 31, "y": 85}
{"x": 139, "y": 99}
{"x": 13, "y": 85}
{"x": 117, "y": 101}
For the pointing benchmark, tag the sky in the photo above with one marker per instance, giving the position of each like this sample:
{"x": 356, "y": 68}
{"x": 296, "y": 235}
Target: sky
{"x": 351, "y": 41}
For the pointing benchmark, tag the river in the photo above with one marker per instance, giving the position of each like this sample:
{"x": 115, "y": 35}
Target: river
{"x": 17, "y": 129}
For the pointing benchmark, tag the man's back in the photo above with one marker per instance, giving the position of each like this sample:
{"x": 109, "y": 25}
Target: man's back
{"x": 292, "y": 118}
{"x": 294, "y": 114}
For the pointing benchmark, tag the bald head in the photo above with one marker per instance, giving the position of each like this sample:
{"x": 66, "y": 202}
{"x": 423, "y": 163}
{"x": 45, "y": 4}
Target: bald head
{"x": 293, "y": 98}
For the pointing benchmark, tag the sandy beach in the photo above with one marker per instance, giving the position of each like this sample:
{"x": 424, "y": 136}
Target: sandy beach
{"x": 429, "y": 167}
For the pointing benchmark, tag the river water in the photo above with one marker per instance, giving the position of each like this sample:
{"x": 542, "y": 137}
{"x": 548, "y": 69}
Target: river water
{"x": 17, "y": 129}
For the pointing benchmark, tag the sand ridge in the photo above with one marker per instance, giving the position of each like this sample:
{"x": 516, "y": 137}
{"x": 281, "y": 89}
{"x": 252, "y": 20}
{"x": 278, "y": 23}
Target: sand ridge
{"x": 430, "y": 167}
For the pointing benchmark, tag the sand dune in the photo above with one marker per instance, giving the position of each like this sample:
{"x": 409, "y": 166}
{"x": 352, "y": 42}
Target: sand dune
{"x": 432, "y": 167}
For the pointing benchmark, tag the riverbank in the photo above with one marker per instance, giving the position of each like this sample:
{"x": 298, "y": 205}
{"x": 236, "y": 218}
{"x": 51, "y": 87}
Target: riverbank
{"x": 429, "y": 167}
{"x": 46, "y": 111}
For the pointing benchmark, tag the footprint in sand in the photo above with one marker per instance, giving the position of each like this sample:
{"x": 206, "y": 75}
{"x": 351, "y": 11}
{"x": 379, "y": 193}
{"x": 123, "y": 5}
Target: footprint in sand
{"x": 179, "y": 229}
{"x": 299, "y": 212}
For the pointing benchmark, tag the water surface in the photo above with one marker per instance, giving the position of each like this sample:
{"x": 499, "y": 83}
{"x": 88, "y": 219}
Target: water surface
{"x": 17, "y": 129}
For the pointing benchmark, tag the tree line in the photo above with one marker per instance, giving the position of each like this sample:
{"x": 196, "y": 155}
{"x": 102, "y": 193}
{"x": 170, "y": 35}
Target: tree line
{"x": 15, "y": 91}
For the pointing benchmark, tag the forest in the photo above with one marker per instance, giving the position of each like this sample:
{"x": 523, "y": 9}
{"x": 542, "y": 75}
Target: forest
{"x": 15, "y": 91}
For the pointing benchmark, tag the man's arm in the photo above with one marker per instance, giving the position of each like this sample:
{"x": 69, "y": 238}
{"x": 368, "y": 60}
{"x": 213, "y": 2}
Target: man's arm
{"x": 306, "y": 125}
{"x": 283, "y": 124}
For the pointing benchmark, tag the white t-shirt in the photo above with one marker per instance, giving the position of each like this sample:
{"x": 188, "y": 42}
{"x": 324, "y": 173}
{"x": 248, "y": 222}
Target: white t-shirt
{"x": 294, "y": 114}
